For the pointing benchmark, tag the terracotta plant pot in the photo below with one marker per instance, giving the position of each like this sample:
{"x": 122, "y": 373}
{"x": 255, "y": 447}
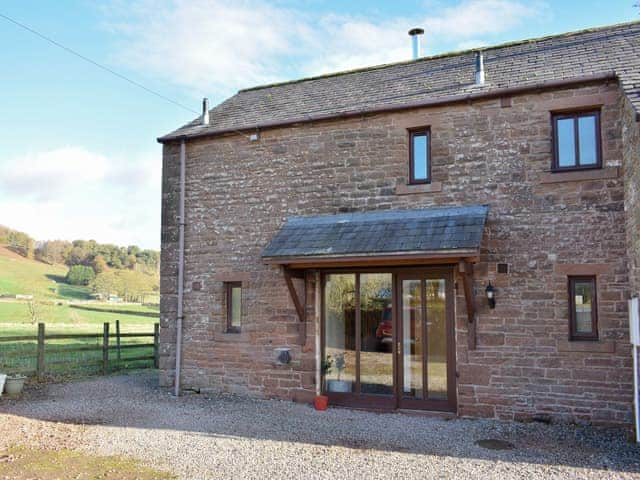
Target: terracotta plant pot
{"x": 14, "y": 384}
{"x": 321, "y": 402}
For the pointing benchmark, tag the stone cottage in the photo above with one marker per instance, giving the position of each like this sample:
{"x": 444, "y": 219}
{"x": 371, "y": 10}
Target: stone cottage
{"x": 458, "y": 233}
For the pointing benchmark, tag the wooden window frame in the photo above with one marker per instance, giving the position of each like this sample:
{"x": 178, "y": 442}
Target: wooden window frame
{"x": 414, "y": 132}
{"x": 229, "y": 286}
{"x": 573, "y": 334}
{"x": 575, "y": 115}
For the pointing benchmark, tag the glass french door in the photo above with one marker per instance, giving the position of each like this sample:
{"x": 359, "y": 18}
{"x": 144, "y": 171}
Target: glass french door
{"x": 358, "y": 338}
{"x": 424, "y": 349}
{"x": 388, "y": 339}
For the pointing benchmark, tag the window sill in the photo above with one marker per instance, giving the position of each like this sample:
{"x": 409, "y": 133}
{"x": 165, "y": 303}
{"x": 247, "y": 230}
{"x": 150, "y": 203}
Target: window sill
{"x": 580, "y": 175}
{"x": 592, "y": 346}
{"x": 230, "y": 337}
{"x": 404, "y": 189}
{"x": 584, "y": 338}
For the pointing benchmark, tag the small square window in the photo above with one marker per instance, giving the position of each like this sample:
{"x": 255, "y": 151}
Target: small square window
{"x": 420, "y": 156}
{"x": 576, "y": 141}
{"x": 234, "y": 306}
{"x": 583, "y": 308}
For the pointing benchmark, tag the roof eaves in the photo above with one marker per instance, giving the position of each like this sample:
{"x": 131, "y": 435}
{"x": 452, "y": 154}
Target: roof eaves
{"x": 453, "y": 252}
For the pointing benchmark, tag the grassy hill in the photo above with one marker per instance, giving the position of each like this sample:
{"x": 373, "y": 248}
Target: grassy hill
{"x": 19, "y": 275}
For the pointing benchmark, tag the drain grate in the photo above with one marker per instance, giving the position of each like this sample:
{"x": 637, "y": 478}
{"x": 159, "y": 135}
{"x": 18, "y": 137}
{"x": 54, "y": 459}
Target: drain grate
{"x": 495, "y": 444}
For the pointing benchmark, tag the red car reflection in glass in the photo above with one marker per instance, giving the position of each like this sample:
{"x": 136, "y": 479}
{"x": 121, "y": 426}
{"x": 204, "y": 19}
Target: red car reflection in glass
{"x": 384, "y": 332}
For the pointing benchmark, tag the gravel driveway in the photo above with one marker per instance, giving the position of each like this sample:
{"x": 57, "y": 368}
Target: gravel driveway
{"x": 229, "y": 437}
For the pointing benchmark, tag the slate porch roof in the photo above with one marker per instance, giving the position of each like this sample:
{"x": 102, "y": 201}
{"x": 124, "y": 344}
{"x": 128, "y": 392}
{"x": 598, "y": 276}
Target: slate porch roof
{"x": 382, "y": 232}
{"x": 609, "y": 50}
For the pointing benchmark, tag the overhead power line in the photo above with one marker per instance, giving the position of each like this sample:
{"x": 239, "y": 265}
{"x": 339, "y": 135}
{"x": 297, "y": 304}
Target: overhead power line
{"x": 96, "y": 64}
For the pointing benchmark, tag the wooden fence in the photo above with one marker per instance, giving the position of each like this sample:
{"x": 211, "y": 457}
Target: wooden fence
{"x": 108, "y": 342}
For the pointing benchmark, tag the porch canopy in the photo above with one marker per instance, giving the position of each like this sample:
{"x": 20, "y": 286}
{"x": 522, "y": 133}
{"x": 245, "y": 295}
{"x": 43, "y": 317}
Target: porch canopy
{"x": 390, "y": 237}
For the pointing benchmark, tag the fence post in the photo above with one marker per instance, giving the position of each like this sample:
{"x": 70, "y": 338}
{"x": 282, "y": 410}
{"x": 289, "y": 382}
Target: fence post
{"x": 40, "y": 353}
{"x": 156, "y": 345}
{"x": 118, "y": 339}
{"x": 105, "y": 349}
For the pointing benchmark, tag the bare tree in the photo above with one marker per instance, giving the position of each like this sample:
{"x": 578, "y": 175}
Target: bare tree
{"x": 33, "y": 311}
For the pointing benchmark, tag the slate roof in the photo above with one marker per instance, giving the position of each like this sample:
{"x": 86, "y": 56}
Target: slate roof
{"x": 612, "y": 49}
{"x": 381, "y": 232}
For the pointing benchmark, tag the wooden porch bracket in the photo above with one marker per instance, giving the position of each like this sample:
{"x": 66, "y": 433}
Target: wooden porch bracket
{"x": 466, "y": 271}
{"x": 300, "y": 306}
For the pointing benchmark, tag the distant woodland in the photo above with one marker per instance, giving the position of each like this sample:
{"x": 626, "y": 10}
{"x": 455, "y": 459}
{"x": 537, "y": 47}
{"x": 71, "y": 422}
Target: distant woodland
{"x": 129, "y": 272}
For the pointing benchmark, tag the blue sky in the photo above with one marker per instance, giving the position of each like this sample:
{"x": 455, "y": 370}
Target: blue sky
{"x": 79, "y": 156}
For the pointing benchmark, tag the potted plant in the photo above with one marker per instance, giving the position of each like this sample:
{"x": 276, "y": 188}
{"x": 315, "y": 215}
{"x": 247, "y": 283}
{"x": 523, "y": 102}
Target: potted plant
{"x": 3, "y": 377}
{"x": 13, "y": 384}
{"x": 338, "y": 385}
{"x": 322, "y": 401}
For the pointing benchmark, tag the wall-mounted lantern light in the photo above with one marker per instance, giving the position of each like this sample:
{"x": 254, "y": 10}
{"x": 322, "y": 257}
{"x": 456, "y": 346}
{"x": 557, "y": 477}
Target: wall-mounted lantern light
{"x": 491, "y": 295}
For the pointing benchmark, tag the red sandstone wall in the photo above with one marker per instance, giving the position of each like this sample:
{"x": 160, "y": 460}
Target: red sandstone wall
{"x": 239, "y": 193}
{"x": 631, "y": 162}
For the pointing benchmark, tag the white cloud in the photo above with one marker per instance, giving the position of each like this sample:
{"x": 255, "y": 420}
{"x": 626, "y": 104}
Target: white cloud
{"x": 45, "y": 175}
{"x": 213, "y": 46}
{"x": 471, "y": 18}
{"x": 205, "y": 44}
{"x": 72, "y": 193}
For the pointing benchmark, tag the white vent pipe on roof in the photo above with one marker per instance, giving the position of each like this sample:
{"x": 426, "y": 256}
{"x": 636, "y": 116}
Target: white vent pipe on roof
{"x": 415, "y": 41}
{"x": 205, "y": 111}
{"x": 479, "y": 68}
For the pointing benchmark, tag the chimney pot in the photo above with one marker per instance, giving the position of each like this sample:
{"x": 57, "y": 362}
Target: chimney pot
{"x": 415, "y": 33}
{"x": 205, "y": 111}
{"x": 479, "y": 68}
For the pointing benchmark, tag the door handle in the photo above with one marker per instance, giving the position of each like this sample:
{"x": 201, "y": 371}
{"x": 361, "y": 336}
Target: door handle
{"x": 398, "y": 348}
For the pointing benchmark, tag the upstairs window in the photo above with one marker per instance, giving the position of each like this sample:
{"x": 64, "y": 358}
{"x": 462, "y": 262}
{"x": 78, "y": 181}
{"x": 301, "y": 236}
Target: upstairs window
{"x": 583, "y": 310}
{"x": 234, "y": 306}
{"x": 576, "y": 139}
{"x": 420, "y": 156}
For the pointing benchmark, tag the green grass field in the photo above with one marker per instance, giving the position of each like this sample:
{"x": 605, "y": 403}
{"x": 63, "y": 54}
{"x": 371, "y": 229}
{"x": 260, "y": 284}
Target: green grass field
{"x": 53, "y": 303}
{"x": 15, "y": 318}
{"x": 20, "y": 356}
